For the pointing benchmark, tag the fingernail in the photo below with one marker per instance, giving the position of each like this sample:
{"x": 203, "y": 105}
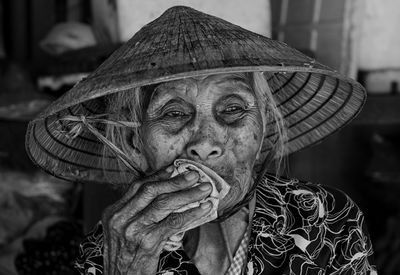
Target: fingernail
{"x": 191, "y": 175}
{"x": 205, "y": 187}
{"x": 206, "y": 205}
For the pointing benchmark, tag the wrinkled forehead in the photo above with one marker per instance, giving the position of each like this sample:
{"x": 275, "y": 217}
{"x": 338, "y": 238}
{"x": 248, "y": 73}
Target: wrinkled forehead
{"x": 219, "y": 84}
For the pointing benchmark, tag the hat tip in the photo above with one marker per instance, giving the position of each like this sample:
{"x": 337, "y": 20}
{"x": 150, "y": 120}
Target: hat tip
{"x": 179, "y": 8}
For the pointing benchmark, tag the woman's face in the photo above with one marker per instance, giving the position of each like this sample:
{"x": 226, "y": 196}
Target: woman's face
{"x": 213, "y": 120}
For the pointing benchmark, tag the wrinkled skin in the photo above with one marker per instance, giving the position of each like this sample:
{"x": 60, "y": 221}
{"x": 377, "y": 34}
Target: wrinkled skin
{"x": 213, "y": 120}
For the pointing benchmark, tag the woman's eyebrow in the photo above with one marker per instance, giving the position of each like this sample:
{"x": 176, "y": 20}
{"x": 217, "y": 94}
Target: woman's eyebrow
{"x": 162, "y": 93}
{"x": 163, "y": 99}
{"x": 242, "y": 89}
{"x": 158, "y": 100}
{"x": 247, "y": 98}
{"x": 234, "y": 83}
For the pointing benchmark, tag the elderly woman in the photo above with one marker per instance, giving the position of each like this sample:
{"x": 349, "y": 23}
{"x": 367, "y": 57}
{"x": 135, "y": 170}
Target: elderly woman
{"x": 190, "y": 119}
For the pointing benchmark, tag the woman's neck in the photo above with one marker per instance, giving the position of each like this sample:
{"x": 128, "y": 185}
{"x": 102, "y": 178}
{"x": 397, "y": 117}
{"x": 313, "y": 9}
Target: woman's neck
{"x": 212, "y": 246}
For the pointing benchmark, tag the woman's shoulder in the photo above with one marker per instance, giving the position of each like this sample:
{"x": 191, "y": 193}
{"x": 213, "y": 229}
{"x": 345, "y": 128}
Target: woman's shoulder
{"x": 307, "y": 203}
{"x": 306, "y": 196}
{"x": 319, "y": 224}
{"x": 293, "y": 207}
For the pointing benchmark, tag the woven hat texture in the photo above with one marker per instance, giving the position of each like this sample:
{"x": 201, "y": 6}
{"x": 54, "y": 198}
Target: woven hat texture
{"x": 314, "y": 100}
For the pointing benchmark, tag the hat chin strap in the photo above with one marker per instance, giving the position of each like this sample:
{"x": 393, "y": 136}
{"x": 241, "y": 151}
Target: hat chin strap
{"x": 76, "y": 124}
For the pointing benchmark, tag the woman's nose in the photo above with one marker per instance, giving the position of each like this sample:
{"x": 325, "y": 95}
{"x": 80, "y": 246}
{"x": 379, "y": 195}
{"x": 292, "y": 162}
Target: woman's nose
{"x": 204, "y": 151}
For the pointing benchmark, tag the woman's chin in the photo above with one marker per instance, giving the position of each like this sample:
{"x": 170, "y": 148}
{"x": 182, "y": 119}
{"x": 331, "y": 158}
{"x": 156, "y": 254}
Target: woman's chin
{"x": 235, "y": 196}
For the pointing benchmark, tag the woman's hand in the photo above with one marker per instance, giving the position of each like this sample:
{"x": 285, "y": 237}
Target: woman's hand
{"x": 137, "y": 226}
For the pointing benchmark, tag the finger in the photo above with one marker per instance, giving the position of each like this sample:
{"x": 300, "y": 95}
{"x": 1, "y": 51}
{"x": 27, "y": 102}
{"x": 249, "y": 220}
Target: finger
{"x": 162, "y": 174}
{"x": 159, "y": 175}
{"x": 172, "y": 224}
{"x": 150, "y": 190}
{"x": 166, "y": 203}
{"x": 177, "y": 222}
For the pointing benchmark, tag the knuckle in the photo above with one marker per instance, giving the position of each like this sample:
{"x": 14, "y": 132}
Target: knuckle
{"x": 148, "y": 189}
{"x": 146, "y": 241}
{"x": 176, "y": 182}
{"x": 160, "y": 202}
{"x": 113, "y": 220}
{"x": 131, "y": 232}
{"x": 175, "y": 220}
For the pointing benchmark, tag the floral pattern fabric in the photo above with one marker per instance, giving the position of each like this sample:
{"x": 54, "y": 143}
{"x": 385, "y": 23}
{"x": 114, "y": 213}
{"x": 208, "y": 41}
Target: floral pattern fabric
{"x": 297, "y": 228}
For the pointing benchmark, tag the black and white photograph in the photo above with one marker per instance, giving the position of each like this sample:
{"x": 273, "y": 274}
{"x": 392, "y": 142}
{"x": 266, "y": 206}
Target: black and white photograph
{"x": 199, "y": 137}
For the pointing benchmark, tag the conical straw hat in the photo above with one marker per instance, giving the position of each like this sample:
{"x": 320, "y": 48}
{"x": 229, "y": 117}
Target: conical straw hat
{"x": 314, "y": 100}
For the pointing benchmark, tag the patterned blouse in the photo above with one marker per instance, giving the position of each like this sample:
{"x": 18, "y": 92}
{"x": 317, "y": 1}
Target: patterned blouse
{"x": 297, "y": 228}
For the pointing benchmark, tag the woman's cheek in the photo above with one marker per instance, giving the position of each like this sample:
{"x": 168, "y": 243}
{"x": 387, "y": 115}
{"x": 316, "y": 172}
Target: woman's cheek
{"x": 162, "y": 146}
{"x": 247, "y": 141}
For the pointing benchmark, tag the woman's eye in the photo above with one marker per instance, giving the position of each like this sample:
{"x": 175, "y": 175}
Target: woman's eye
{"x": 232, "y": 113}
{"x": 175, "y": 114}
{"x": 232, "y": 110}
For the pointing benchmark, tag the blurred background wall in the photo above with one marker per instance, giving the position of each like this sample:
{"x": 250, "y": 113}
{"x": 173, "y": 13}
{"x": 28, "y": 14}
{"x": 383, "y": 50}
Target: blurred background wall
{"x": 46, "y": 46}
{"x": 363, "y": 159}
